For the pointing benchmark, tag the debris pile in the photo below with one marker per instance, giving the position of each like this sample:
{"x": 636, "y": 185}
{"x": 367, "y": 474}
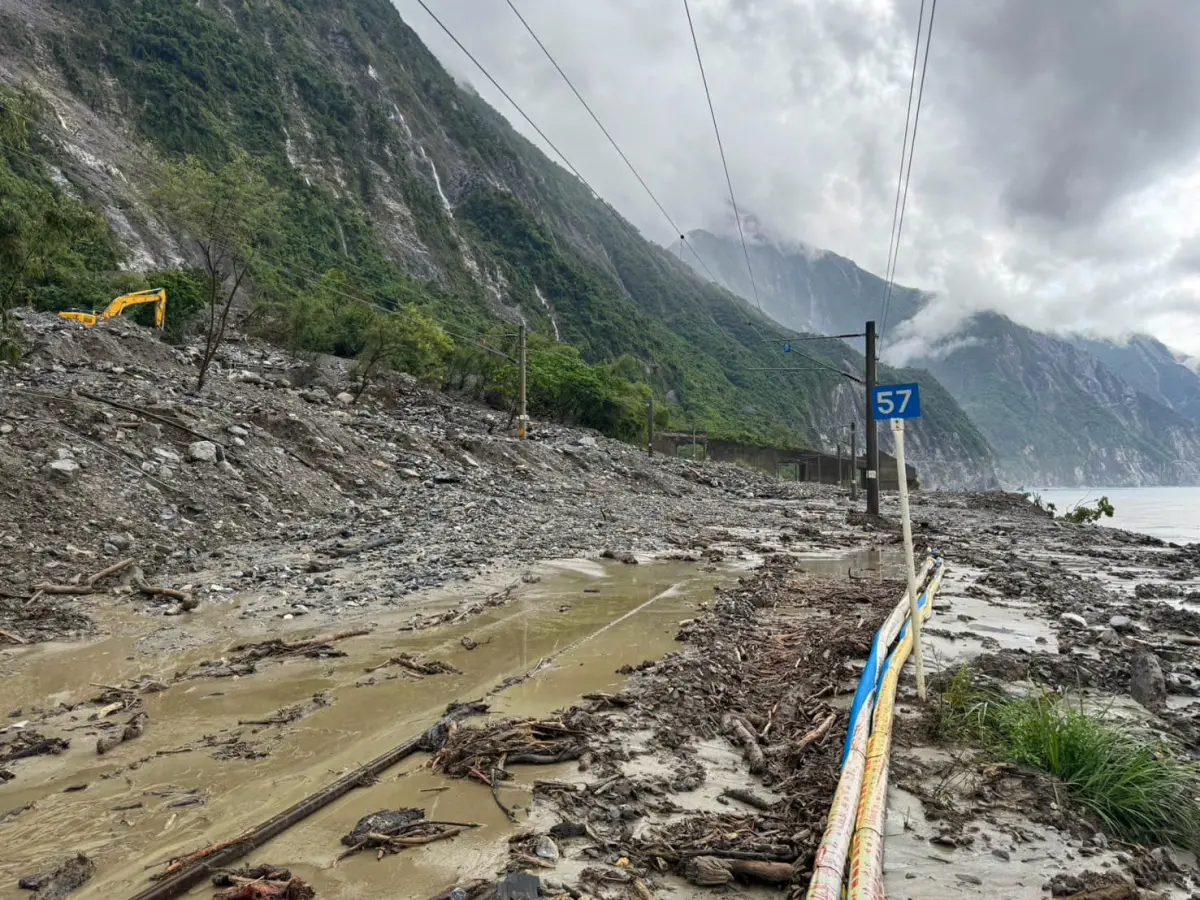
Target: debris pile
{"x": 478, "y": 751}
{"x": 760, "y": 672}
{"x": 415, "y": 666}
{"x": 393, "y": 830}
{"x": 65, "y": 878}
{"x": 261, "y": 883}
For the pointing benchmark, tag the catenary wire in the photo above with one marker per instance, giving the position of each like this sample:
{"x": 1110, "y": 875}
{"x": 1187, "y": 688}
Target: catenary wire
{"x": 908, "y": 172}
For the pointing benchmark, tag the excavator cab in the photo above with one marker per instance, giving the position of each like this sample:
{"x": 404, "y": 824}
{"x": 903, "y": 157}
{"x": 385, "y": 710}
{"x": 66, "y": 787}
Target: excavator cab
{"x": 157, "y": 296}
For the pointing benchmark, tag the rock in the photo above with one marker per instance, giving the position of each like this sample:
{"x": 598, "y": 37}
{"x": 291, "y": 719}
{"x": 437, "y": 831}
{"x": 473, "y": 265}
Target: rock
{"x": 245, "y": 377}
{"x": 316, "y": 395}
{"x": 1121, "y": 623}
{"x": 1108, "y": 636}
{"x": 519, "y": 886}
{"x": 1146, "y": 682}
{"x": 546, "y": 848}
{"x": 64, "y": 453}
{"x": 121, "y": 541}
{"x": 345, "y": 398}
{"x": 165, "y": 455}
{"x": 6, "y": 428}
{"x": 1100, "y": 840}
{"x": 203, "y": 451}
{"x": 458, "y": 894}
{"x": 1073, "y": 619}
{"x": 447, "y": 478}
{"x": 621, "y": 555}
{"x": 238, "y": 431}
{"x": 588, "y": 441}
{"x": 64, "y": 469}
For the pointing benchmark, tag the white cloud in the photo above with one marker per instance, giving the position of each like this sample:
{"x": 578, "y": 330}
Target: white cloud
{"x": 1056, "y": 170}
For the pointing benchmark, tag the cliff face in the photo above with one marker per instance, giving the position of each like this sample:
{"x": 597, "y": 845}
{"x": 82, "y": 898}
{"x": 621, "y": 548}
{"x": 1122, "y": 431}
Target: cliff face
{"x": 395, "y": 174}
{"x": 1057, "y": 411}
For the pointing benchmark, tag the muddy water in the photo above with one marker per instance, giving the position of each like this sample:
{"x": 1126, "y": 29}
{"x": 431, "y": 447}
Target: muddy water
{"x": 576, "y": 627}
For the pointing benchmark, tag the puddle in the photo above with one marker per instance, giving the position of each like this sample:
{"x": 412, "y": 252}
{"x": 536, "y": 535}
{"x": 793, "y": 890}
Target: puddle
{"x": 868, "y": 562}
{"x": 578, "y": 626}
{"x": 964, "y": 625}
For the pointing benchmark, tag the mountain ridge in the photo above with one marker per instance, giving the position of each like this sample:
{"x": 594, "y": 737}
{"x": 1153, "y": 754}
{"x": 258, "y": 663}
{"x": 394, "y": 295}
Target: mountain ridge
{"x": 402, "y": 184}
{"x": 1067, "y": 411}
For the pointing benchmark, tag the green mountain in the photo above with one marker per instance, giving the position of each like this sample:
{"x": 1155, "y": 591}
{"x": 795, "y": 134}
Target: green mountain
{"x": 400, "y": 187}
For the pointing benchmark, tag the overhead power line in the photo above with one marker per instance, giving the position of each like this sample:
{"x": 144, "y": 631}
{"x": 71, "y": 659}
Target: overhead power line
{"x": 721, "y": 147}
{"x": 595, "y": 119}
{"x": 906, "y": 171}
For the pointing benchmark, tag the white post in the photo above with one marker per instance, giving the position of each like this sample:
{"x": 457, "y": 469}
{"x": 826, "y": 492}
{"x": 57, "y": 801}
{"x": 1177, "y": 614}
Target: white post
{"x": 906, "y": 526}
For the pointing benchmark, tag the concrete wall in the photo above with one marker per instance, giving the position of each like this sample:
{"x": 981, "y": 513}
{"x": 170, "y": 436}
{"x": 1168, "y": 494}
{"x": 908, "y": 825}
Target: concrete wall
{"x": 800, "y": 465}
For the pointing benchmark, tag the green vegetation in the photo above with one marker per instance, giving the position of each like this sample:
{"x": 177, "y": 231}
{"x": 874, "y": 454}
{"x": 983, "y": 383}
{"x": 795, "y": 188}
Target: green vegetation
{"x": 56, "y": 252}
{"x": 343, "y": 112}
{"x": 1082, "y": 514}
{"x": 1132, "y": 783}
{"x": 229, "y": 215}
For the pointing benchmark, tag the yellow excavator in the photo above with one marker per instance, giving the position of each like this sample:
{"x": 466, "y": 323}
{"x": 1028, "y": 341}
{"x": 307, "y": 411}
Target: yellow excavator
{"x": 157, "y": 296}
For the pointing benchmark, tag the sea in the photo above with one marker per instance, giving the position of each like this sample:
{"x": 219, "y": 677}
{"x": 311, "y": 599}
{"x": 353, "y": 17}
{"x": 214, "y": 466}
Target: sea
{"x": 1169, "y": 513}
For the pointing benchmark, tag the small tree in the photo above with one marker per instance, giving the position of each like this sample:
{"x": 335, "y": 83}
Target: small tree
{"x": 230, "y": 215}
{"x": 1081, "y": 514}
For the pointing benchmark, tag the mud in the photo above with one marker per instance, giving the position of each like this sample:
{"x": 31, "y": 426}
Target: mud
{"x": 1033, "y": 604}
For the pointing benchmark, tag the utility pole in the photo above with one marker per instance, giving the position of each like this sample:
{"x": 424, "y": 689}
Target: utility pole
{"x": 854, "y": 460}
{"x": 650, "y": 428}
{"x": 872, "y": 432}
{"x": 521, "y": 427}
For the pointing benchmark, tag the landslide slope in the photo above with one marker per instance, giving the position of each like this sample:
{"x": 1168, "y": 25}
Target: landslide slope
{"x": 411, "y": 187}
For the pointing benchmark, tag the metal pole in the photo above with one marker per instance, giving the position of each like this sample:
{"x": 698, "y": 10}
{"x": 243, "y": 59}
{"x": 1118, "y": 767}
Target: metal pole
{"x": 910, "y": 566}
{"x": 841, "y": 480}
{"x": 854, "y": 460}
{"x": 650, "y": 428}
{"x": 872, "y": 431}
{"x": 521, "y": 427}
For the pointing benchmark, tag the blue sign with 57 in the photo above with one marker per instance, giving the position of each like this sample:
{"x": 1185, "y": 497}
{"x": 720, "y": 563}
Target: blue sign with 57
{"x": 896, "y": 401}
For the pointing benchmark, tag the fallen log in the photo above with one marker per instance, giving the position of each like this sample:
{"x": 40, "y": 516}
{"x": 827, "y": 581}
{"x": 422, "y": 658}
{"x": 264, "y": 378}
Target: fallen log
{"x": 88, "y": 584}
{"x": 750, "y": 749}
{"x": 748, "y": 798}
{"x": 709, "y": 871}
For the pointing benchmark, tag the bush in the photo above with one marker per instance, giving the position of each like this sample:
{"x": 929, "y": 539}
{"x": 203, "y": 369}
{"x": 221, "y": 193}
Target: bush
{"x": 1082, "y": 514}
{"x": 1133, "y": 784}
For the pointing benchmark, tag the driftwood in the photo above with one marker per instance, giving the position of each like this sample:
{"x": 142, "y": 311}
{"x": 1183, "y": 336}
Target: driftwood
{"x": 15, "y": 638}
{"x": 748, "y": 798}
{"x": 497, "y": 772}
{"x": 817, "y": 733}
{"x": 280, "y": 647}
{"x": 750, "y": 749}
{"x": 133, "y": 729}
{"x": 414, "y": 665}
{"x": 88, "y": 584}
{"x": 709, "y": 871}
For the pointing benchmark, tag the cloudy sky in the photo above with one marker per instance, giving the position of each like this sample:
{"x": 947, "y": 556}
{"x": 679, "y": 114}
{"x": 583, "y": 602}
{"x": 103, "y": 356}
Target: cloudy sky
{"x": 1057, "y": 169}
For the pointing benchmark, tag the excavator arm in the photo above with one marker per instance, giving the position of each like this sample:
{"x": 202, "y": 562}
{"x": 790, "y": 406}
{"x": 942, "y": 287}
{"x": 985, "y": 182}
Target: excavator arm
{"x": 157, "y": 296}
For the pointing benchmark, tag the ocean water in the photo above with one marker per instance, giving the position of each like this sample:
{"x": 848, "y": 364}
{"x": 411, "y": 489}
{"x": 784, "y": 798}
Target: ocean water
{"x": 1169, "y": 513}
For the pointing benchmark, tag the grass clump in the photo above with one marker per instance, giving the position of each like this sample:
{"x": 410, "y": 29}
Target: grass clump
{"x": 1132, "y": 783}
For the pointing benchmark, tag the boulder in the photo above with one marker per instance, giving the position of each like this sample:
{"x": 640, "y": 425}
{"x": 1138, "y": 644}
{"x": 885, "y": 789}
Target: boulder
{"x": 64, "y": 469}
{"x": 203, "y": 451}
{"x": 1146, "y": 682}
